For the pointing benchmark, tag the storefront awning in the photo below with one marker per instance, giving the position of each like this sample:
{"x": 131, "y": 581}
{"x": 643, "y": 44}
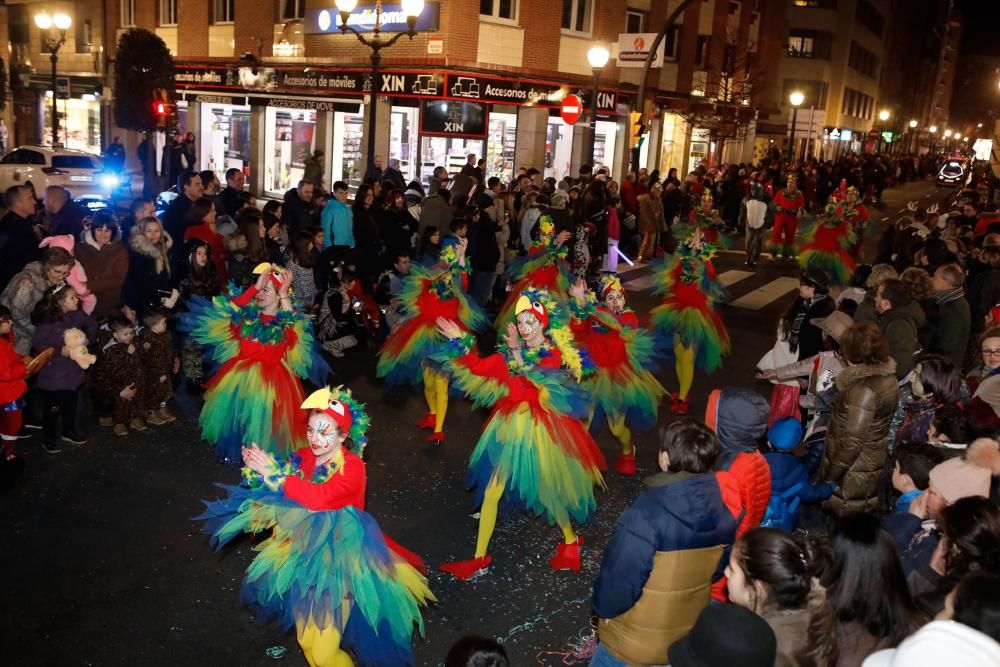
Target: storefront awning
{"x": 79, "y": 85}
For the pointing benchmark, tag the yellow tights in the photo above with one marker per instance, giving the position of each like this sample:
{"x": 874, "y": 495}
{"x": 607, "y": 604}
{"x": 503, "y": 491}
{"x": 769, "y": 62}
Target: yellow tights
{"x": 321, "y": 646}
{"x": 436, "y": 395}
{"x": 488, "y": 518}
{"x": 622, "y": 433}
{"x": 684, "y": 364}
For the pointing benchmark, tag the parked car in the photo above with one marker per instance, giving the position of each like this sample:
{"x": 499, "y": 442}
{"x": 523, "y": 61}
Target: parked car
{"x": 80, "y": 173}
{"x": 952, "y": 172}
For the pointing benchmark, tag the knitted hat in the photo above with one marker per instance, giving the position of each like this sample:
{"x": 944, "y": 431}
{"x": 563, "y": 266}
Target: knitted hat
{"x": 958, "y": 478}
{"x": 834, "y": 325}
{"x": 785, "y": 433}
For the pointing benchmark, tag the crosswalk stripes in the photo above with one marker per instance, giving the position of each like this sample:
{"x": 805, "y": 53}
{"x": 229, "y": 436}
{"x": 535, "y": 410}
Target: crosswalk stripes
{"x": 749, "y": 290}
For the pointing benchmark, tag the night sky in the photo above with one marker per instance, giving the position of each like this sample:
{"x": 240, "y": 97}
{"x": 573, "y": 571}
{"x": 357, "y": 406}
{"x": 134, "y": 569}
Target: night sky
{"x": 981, "y": 29}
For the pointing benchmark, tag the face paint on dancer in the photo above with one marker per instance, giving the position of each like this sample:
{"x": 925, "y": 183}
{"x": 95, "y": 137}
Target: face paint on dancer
{"x": 267, "y": 297}
{"x": 530, "y": 328}
{"x": 615, "y": 301}
{"x": 325, "y": 437}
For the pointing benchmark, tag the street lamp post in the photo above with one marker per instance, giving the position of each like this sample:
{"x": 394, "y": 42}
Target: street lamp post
{"x": 913, "y": 126}
{"x": 54, "y": 36}
{"x": 883, "y": 116}
{"x": 376, "y": 43}
{"x": 598, "y": 57}
{"x": 933, "y": 130}
{"x": 796, "y": 99}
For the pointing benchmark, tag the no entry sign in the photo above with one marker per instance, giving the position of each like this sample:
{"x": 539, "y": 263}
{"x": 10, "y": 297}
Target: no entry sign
{"x": 571, "y": 109}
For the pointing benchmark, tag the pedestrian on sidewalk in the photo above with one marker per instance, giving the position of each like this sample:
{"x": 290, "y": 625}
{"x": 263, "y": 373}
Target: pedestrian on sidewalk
{"x": 756, "y": 215}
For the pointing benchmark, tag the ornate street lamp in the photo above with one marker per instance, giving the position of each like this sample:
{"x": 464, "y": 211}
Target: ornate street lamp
{"x": 53, "y": 37}
{"x": 598, "y": 57}
{"x": 412, "y": 9}
{"x": 796, "y": 99}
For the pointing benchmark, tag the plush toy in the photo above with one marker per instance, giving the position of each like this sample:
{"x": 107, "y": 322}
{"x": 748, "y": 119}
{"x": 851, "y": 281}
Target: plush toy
{"x": 76, "y": 341}
{"x": 77, "y": 277}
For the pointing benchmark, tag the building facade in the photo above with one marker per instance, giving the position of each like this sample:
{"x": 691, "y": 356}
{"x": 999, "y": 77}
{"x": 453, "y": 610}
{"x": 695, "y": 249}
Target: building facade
{"x": 262, "y": 84}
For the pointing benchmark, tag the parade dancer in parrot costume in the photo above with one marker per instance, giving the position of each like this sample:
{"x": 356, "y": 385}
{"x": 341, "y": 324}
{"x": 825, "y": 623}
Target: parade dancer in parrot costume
{"x": 264, "y": 345}
{"x": 408, "y": 355}
{"x": 707, "y": 219}
{"x": 686, "y": 319}
{"x": 534, "y": 451}
{"x": 326, "y": 567}
{"x": 622, "y": 389}
{"x": 828, "y": 246}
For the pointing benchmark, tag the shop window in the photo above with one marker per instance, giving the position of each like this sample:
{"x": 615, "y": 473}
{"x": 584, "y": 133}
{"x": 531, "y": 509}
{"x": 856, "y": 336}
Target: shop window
{"x": 576, "y": 15}
{"x": 499, "y": 9}
{"x": 126, "y": 13}
{"x": 801, "y": 47}
{"x": 500, "y": 146}
{"x": 293, "y": 9}
{"x": 168, "y": 12}
{"x": 290, "y": 138}
{"x": 84, "y": 36}
{"x": 635, "y": 21}
{"x": 348, "y": 134}
{"x": 403, "y": 122}
{"x": 224, "y": 11}
{"x": 225, "y": 138}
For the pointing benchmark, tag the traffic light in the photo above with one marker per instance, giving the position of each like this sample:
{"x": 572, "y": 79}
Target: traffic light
{"x": 162, "y": 108}
{"x": 638, "y": 126}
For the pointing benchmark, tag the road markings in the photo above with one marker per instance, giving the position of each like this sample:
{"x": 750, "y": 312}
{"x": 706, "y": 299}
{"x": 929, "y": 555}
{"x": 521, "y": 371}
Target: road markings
{"x": 769, "y": 293}
{"x": 733, "y": 276}
{"x": 885, "y": 218}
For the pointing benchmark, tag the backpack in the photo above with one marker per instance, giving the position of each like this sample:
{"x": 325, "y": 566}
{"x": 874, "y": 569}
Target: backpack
{"x": 326, "y": 321}
{"x": 783, "y": 509}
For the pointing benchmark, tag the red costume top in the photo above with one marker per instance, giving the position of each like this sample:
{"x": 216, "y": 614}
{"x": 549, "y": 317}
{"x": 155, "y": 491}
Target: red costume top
{"x": 789, "y": 203}
{"x": 12, "y": 371}
{"x": 346, "y": 487}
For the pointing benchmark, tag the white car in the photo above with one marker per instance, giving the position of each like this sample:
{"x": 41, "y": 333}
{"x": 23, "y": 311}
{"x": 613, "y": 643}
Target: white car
{"x": 80, "y": 173}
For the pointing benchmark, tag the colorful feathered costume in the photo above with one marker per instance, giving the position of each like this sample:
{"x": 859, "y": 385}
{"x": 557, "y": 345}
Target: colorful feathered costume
{"x": 326, "y": 567}
{"x": 253, "y": 394}
{"x": 407, "y": 357}
{"x": 706, "y": 219}
{"x": 622, "y": 389}
{"x": 828, "y": 246}
{"x": 686, "y": 319}
{"x": 857, "y": 215}
{"x": 534, "y": 451}
{"x": 544, "y": 267}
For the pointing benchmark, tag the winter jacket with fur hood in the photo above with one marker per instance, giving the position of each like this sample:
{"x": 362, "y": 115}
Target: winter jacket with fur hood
{"x": 148, "y": 279}
{"x": 856, "y": 445}
{"x": 106, "y": 269}
{"x": 25, "y": 290}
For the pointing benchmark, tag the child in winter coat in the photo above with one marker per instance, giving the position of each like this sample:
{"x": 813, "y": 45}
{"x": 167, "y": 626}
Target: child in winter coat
{"x": 790, "y": 485}
{"x": 156, "y": 352}
{"x": 118, "y": 375}
{"x": 12, "y": 385}
{"x": 912, "y": 471}
{"x": 60, "y": 380}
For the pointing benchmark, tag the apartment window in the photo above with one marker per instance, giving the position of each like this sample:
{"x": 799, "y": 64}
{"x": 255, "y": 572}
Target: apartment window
{"x": 862, "y": 60}
{"x": 84, "y": 35}
{"x": 816, "y": 4}
{"x": 801, "y": 46}
{"x": 224, "y": 11}
{"x": 168, "y": 12}
{"x": 701, "y": 51}
{"x": 127, "y": 13}
{"x": 867, "y": 15}
{"x": 293, "y": 9}
{"x": 499, "y": 9}
{"x": 576, "y": 15}
{"x": 635, "y": 21}
{"x": 670, "y": 47}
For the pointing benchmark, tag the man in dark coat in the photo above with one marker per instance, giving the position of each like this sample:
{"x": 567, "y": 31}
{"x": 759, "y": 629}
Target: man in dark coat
{"x": 949, "y": 333}
{"x": 231, "y": 195}
{"x": 175, "y": 217}
{"x": 813, "y": 303}
{"x": 65, "y": 216}
{"x": 295, "y": 213}
{"x": 18, "y": 236}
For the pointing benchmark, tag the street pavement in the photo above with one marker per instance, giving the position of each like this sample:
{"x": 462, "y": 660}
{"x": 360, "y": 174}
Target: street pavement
{"x": 102, "y": 565}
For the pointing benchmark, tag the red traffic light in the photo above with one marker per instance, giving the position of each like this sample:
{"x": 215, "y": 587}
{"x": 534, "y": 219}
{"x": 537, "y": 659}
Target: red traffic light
{"x": 160, "y": 108}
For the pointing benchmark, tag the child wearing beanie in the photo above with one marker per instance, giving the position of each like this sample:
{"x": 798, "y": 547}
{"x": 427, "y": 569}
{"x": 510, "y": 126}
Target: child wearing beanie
{"x": 790, "y": 485}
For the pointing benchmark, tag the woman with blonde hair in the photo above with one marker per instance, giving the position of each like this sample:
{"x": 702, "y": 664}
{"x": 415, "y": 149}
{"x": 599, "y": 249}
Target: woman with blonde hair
{"x": 148, "y": 283}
